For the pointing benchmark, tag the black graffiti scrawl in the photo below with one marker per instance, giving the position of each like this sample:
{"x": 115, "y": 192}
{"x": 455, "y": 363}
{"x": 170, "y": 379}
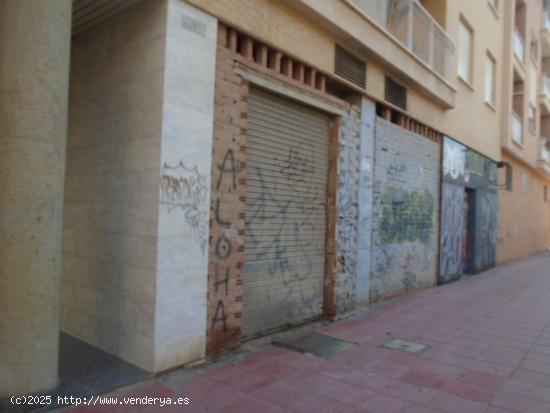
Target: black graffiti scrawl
{"x": 279, "y": 228}
{"x": 285, "y": 214}
{"x": 223, "y": 244}
{"x": 183, "y": 187}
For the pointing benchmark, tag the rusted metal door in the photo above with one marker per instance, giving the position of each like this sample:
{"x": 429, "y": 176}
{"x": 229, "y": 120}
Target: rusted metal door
{"x": 286, "y": 181}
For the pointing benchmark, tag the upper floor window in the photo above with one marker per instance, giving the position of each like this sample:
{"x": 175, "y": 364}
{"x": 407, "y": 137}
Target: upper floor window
{"x": 536, "y": 189}
{"x": 525, "y": 184}
{"x": 532, "y": 120}
{"x": 490, "y": 76}
{"x": 465, "y": 40}
{"x": 535, "y": 50}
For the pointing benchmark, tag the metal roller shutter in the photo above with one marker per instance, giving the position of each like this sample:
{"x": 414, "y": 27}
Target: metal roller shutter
{"x": 287, "y": 167}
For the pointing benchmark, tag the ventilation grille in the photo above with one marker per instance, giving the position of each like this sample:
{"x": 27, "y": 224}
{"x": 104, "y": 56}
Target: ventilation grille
{"x": 350, "y": 67}
{"x": 396, "y": 94}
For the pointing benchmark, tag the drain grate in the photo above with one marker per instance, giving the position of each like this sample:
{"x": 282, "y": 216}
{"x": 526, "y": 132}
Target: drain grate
{"x": 404, "y": 345}
{"x": 320, "y": 345}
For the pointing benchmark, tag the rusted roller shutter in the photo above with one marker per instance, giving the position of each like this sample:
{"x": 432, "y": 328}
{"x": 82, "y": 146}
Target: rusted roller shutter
{"x": 287, "y": 167}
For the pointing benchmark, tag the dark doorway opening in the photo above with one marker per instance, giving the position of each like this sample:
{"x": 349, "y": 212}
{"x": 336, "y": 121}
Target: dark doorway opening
{"x": 468, "y": 257}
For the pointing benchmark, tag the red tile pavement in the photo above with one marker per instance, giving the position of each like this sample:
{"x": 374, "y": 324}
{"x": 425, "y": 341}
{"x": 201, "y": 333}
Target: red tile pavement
{"x": 489, "y": 352}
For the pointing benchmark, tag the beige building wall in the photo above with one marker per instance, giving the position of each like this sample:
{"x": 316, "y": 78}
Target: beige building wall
{"x": 524, "y": 226}
{"x": 472, "y": 122}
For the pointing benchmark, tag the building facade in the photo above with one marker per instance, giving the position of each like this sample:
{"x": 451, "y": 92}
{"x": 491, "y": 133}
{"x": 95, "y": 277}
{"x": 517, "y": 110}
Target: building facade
{"x": 237, "y": 167}
{"x": 524, "y": 223}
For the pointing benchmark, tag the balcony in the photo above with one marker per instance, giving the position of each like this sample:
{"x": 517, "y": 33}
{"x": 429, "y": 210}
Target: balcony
{"x": 397, "y": 35}
{"x": 544, "y": 155}
{"x": 519, "y": 46}
{"x": 544, "y": 97}
{"x": 517, "y": 128}
{"x": 412, "y": 26}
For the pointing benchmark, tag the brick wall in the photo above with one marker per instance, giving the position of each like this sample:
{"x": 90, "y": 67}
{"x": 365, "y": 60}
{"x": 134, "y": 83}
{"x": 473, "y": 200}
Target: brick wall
{"x": 405, "y": 211}
{"x": 524, "y": 218}
{"x": 227, "y": 204}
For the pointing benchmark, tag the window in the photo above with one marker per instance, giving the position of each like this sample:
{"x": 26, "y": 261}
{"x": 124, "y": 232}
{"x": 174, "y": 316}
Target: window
{"x": 517, "y": 128}
{"x": 465, "y": 36}
{"x": 535, "y": 50}
{"x": 509, "y": 177}
{"x": 490, "y": 80}
{"x": 545, "y": 193}
{"x": 525, "y": 184}
{"x": 532, "y": 122}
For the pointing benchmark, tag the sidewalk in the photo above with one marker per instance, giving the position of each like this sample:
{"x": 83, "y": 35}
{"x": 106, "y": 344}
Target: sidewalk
{"x": 488, "y": 339}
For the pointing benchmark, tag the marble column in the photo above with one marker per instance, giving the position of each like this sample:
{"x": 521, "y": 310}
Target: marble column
{"x": 35, "y": 38}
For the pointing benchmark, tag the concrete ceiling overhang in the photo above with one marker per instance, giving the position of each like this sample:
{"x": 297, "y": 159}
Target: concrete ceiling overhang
{"x": 88, "y": 13}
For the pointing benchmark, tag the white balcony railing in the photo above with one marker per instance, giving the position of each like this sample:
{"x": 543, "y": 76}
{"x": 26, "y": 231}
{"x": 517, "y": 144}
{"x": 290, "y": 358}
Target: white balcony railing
{"x": 544, "y": 151}
{"x": 545, "y": 86}
{"x": 411, "y": 25}
{"x": 517, "y": 128}
{"x": 519, "y": 46}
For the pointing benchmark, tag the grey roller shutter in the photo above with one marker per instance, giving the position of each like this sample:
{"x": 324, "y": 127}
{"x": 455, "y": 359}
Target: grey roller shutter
{"x": 286, "y": 181}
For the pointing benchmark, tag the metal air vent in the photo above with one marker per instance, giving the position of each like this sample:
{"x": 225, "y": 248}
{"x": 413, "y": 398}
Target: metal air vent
{"x": 396, "y": 94}
{"x": 350, "y": 67}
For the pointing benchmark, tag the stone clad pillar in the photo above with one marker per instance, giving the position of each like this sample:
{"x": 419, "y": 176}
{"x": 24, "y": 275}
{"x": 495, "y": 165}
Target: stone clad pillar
{"x": 35, "y": 38}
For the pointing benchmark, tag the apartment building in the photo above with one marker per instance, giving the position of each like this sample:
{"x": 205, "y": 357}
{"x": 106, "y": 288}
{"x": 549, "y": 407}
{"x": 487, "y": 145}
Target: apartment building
{"x": 524, "y": 213}
{"x": 236, "y": 167}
